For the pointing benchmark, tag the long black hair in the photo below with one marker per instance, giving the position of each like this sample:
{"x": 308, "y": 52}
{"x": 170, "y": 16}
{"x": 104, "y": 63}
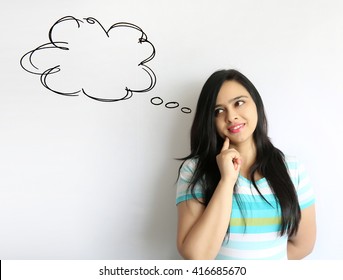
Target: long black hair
{"x": 270, "y": 161}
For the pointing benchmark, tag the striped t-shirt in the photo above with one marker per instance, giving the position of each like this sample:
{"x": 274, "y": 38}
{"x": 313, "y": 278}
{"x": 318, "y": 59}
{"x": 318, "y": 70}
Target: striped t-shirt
{"x": 256, "y": 236}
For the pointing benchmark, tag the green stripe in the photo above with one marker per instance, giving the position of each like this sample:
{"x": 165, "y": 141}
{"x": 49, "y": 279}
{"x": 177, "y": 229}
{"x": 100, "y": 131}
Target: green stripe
{"x": 255, "y": 221}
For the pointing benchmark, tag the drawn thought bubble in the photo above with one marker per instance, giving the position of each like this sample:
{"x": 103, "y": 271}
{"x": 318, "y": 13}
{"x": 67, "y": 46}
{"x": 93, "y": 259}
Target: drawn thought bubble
{"x": 105, "y": 65}
{"x": 83, "y": 57}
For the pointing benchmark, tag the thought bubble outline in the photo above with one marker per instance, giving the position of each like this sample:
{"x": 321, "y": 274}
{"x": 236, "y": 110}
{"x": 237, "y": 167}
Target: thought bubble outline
{"x": 169, "y": 105}
{"x": 62, "y": 45}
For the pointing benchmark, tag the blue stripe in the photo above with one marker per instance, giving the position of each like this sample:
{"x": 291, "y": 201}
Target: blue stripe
{"x": 260, "y": 213}
{"x": 292, "y": 165}
{"x": 254, "y": 229}
{"x": 254, "y": 197}
{"x": 252, "y": 206}
{"x": 184, "y": 180}
{"x": 246, "y": 182}
{"x": 306, "y": 204}
{"x": 304, "y": 189}
{"x": 302, "y": 176}
{"x": 188, "y": 197}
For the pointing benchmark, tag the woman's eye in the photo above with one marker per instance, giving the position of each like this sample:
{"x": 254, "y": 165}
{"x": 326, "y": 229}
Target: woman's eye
{"x": 239, "y": 103}
{"x": 218, "y": 111}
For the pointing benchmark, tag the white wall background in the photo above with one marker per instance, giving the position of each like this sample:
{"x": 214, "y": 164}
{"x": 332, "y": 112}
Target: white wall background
{"x": 82, "y": 179}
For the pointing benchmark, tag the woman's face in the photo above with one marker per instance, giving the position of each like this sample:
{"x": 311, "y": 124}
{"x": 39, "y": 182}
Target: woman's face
{"x": 235, "y": 113}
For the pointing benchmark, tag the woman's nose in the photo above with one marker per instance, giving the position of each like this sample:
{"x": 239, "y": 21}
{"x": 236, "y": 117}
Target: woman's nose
{"x": 231, "y": 116}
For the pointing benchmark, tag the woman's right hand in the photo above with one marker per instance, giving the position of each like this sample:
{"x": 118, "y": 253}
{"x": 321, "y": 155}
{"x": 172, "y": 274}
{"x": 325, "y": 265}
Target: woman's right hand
{"x": 229, "y": 162}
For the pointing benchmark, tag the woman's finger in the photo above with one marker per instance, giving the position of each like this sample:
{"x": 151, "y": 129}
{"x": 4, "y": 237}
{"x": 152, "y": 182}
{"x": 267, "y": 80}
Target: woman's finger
{"x": 226, "y": 144}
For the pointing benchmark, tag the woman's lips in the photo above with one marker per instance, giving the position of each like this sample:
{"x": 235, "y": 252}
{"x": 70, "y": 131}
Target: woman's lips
{"x": 236, "y": 128}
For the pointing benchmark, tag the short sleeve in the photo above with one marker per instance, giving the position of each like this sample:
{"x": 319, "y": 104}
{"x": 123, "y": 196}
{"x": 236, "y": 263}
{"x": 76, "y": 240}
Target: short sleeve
{"x": 183, "y": 192}
{"x": 302, "y": 183}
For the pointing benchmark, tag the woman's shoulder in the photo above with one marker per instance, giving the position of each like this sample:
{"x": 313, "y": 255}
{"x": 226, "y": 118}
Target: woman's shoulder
{"x": 293, "y": 162}
{"x": 189, "y": 164}
{"x": 296, "y": 168}
{"x": 184, "y": 191}
{"x": 301, "y": 180}
{"x": 187, "y": 170}
{"x": 290, "y": 159}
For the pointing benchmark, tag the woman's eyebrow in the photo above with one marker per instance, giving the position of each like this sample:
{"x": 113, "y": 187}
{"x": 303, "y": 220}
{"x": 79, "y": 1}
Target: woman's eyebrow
{"x": 238, "y": 97}
{"x": 233, "y": 99}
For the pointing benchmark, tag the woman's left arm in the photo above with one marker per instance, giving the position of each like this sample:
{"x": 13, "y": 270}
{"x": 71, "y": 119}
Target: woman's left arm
{"x": 301, "y": 244}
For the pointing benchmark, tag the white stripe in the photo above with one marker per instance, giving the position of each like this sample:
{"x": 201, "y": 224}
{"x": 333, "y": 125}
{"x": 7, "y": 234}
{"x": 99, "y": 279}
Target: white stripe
{"x": 304, "y": 182}
{"x": 254, "y": 254}
{"x": 306, "y": 196}
{"x": 301, "y": 168}
{"x": 252, "y": 191}
{"x": 258, "y": 237}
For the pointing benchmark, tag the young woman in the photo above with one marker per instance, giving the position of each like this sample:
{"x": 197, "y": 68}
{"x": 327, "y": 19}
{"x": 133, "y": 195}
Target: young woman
{"x": 239, "y": 197}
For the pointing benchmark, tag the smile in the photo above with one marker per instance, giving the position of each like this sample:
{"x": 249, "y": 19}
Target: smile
{"x": 236, "y": 128}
